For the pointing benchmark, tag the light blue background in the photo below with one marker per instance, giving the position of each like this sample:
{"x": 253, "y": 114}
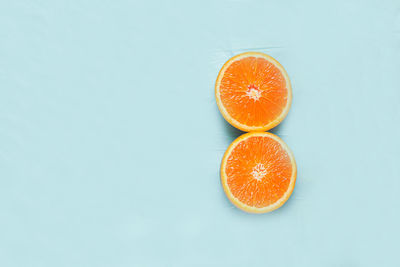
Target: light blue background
{"x": 111, "y": 141}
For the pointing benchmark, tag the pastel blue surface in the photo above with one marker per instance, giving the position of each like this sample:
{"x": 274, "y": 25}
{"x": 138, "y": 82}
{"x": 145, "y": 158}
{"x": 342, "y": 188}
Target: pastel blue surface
{"x": 111, "y": 140}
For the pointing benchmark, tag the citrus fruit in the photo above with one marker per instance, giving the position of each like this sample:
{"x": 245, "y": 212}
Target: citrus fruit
{"x": 258, "y": 172}
{"x": 253, "y": 92}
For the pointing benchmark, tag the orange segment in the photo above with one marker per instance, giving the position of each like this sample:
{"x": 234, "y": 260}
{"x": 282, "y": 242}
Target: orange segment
{"x": 253, "y": 92}
{"x": 258, "y": 172}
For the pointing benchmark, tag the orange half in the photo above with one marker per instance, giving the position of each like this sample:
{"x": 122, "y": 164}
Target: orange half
{"x": 253, "y": 92}
{"x": 258, "y": 172}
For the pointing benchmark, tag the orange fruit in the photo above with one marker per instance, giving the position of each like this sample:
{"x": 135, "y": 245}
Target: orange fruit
{"x": 253, "y": 92}
{"x": 258, "y": 172}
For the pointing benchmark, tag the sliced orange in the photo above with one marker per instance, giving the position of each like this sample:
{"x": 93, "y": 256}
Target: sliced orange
{"x": 258, "y": 172}
{"x": 253, "y": 92}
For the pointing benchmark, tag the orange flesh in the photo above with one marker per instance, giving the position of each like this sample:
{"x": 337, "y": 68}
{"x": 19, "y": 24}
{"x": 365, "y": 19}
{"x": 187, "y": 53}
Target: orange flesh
{"x": 253, "y": 91}
{"x": 258, "y": 171}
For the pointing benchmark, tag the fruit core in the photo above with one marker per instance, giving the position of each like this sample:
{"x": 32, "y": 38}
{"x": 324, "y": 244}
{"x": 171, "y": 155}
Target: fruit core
{"x": 253, "y": 92}
{"x": 259, "y": 171}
